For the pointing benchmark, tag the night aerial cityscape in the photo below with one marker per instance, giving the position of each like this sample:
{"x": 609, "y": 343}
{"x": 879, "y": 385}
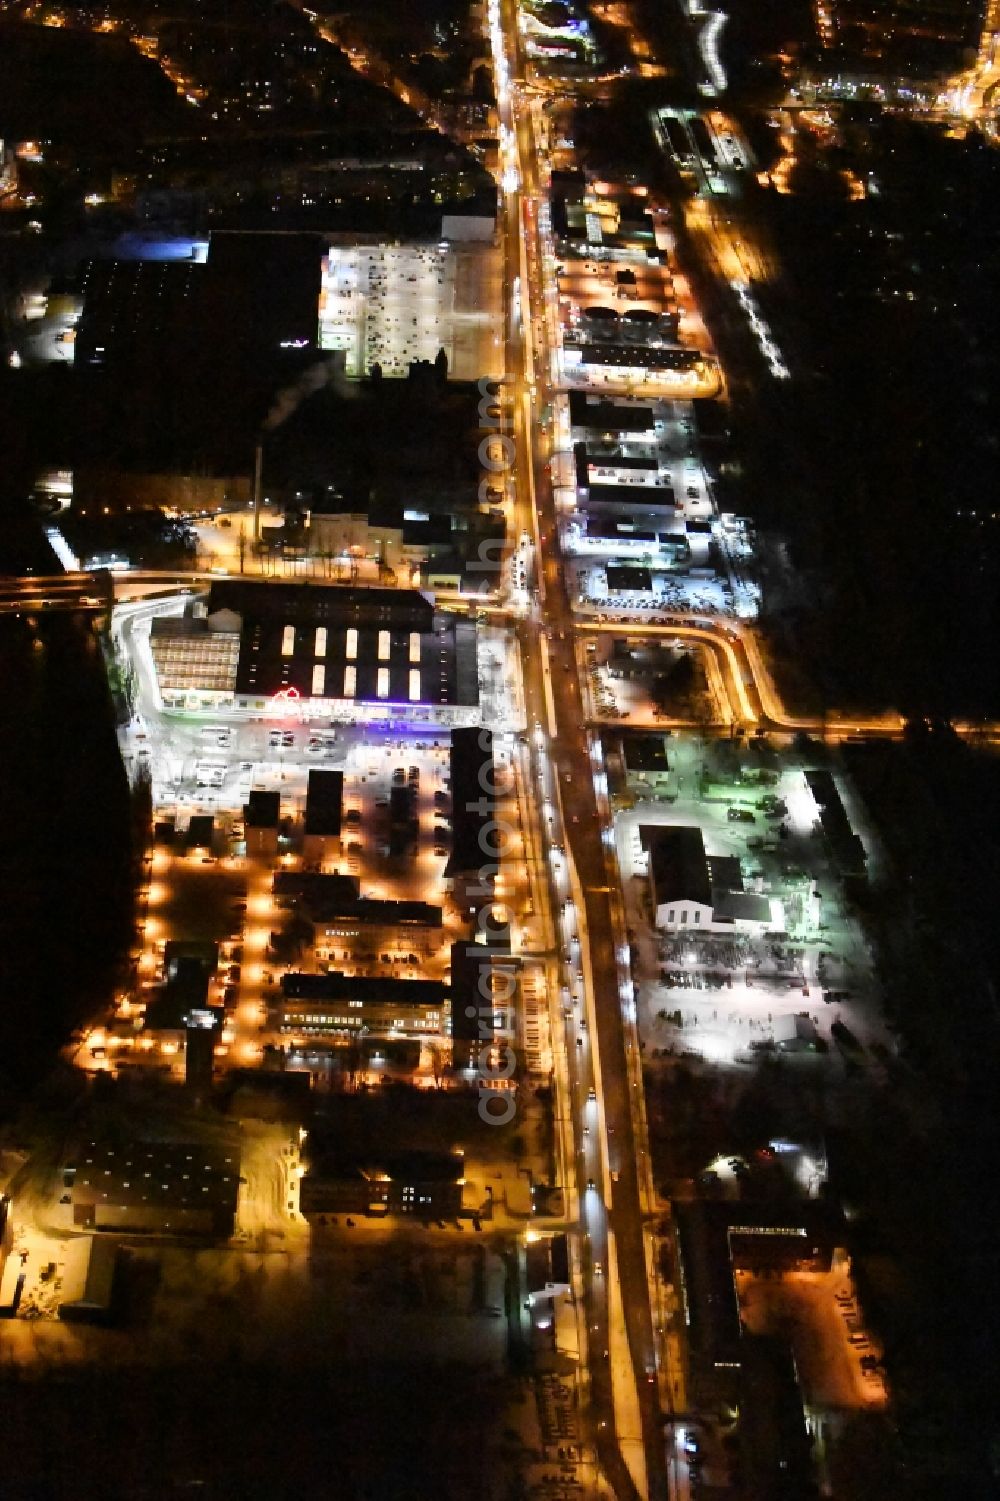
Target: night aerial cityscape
{"x": 500, "y": 750}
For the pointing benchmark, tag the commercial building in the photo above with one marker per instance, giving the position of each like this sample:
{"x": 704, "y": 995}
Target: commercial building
{"x": 344, "y": 922}
{"x": 484, "y": 983}
{"x": 425, "y": 1184}
{"x": 195, "y": 659}
{"x": 324, "y": 815}
{"x": 261, "y": 817}
{"x": 651, "y": 500}
{"x": 391, "y": 305}
{"x": 602, "y": 414}
{"x": 473, "y": 863}
{"x": 336, "y": 1004}
{"x": 95, "y": 1304}
{"x": 692, "y": 890}
{"x": 718, "y": 1238}
{"x": 323, "y": 651}
{"x": 645, "y": 760}
{"x": 774, "y": 1445}
{"x": 155, "y": 1187}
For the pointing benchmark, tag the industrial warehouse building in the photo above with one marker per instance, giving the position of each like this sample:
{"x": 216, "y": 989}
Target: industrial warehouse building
{"x": 155, "y": 1187}
{"x": 693, "y": 890}
{"x": 353, "y": 654}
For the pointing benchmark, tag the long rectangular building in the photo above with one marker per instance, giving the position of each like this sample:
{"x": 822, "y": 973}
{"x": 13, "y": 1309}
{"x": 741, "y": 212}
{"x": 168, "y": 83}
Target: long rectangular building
{"x": 345, "y": 653}
{"x": 334, "y": 1003}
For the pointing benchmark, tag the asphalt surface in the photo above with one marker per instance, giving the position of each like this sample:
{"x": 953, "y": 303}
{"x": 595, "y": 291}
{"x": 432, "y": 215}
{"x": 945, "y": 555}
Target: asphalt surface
{"x": 570, "y": 767}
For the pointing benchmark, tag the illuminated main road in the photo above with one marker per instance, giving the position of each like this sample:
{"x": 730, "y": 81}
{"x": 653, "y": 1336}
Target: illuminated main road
{"x": 611, "y": 1229}
{"x": 612, "y": 1173}
{"x": 34, "y": 594}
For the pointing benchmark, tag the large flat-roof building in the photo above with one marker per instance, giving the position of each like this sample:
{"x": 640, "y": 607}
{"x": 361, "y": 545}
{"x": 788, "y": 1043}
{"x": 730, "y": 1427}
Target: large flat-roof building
{"x": 335, "y": 1004}
{"x": 717, "y": 1239}
{"x": 473, "y": 861}
{"x": 324, "y": 814}
{"x": 692, "y": 890}
{"x": 334, "y": 652}
{"x": 425, "y": 1184}
{"x": 602, "y": 414}
{"x": 155, "y": 1187}
{"x": 344, "y": 921}
{"x": 391, "y": 305}
{"x": 484, "y": 982}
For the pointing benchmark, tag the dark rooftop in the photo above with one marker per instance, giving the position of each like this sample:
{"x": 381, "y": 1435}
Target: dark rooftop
{"x": 627, "y": 579}
{"x": 677, "y": 863}
{"x": 324, "y": 802}
{"x": 334, "y": 898}
{"x": 596, "y": 412}
{"x": 645, "y": 752}
{"x": 262, "y": 810}
{"x": 372, "y": 645}
{"x": 473, "y": 800}
{"x": 335, "y": 986}
{"x": 650, "y": 499}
